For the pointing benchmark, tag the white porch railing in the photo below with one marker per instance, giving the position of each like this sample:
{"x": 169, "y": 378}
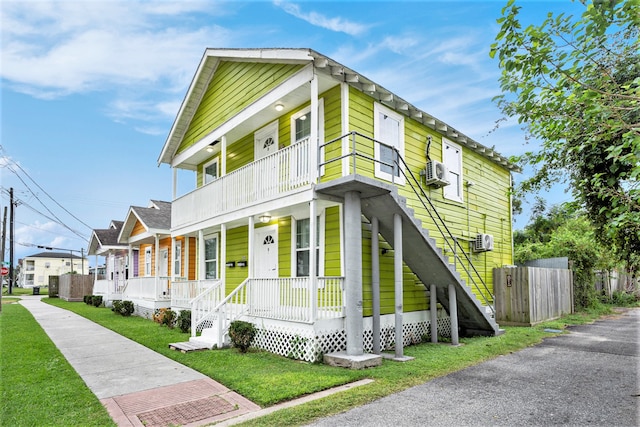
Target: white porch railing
{"x": 183, "y": 291}
{"x": 109, "y": 289}
{"x": 153, "y": 288}
{"x": 284, "y": 171}
{"x": 286, "y": 298}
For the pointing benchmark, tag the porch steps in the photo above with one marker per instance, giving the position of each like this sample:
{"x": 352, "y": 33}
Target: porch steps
{"x": 188, "y": 346}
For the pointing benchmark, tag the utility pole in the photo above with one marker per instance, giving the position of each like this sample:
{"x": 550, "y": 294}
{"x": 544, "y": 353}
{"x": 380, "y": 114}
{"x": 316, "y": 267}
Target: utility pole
{"x": 11, "y": 242}
{"x": 2, "y": 246}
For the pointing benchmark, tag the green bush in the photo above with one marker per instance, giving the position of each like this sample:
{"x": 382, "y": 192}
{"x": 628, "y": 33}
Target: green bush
{"x": 96, "y": 300}
{"x": 88, "y": 299}
{"x": 169, "y": 318}
{"x": 623, "y": 299}
{"x": 242, "y": 334}
{"x": 123, "y": 308}
{"x": 184, "y": 321}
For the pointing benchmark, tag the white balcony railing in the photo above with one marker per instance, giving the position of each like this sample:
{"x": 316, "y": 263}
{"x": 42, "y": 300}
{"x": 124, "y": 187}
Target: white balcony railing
{"x": 280, "y": 173}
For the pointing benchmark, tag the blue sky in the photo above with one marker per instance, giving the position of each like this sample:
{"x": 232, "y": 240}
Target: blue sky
{"x": 90, "y": 89}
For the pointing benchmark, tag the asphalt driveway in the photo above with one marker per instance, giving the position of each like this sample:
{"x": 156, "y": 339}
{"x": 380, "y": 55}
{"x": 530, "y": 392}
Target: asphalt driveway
{"x": 587, "y": 377}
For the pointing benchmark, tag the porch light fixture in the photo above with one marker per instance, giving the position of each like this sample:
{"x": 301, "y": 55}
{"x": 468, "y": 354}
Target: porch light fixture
{"x": 210, "y": 146}
{"x": 279, "y": 107}
{"x": 264, "y": 218}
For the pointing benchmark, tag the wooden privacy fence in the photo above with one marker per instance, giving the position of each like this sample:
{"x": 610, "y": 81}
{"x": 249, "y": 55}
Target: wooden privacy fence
{"x": 530, "y": 295}
{"x": 73, "y": 287}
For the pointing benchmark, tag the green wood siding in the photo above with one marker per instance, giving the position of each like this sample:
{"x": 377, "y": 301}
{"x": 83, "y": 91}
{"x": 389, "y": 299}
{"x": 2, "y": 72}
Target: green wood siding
{"x": 332, "y": 260}
{"x": 237, "y": 250}
{"x": 235, "y": 86}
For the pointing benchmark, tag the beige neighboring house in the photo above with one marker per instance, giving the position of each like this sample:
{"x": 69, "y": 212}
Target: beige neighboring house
{"x": 37, "y": 268}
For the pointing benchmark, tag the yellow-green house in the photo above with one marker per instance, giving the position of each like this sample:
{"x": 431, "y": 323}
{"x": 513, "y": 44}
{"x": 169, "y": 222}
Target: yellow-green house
{"x": 330, "y": 212}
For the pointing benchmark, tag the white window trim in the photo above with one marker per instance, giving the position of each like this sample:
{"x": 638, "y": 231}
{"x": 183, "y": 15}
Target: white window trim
{"x": 377, "y": 109}
{"x": 302, "y": 112}
{"x": 215, "y": 161}
{"x": 271, "y": 128}
{"x": 320, "y": 260}
{"x": 204, "y": 255}
{"x": 459, "y": 197}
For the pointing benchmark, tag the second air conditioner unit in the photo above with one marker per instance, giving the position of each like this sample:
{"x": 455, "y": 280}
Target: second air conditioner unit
{"x": 436, "y": 174}
{"x": 483, "y": 243}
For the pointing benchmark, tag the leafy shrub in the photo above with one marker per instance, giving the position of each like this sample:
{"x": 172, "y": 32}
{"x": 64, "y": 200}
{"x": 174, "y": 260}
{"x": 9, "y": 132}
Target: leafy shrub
{"x": 88, "y": 299}
{"x": 96, "y": 300}
{"x": 623, "y": 299}
{"x": 184, "y": 321}
{"x": 242, "y": 334}
{"x": 123, "y": 308}
{"x": 169, "y": 318}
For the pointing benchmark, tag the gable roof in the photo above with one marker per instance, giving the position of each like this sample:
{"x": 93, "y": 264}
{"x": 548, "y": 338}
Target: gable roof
{"x": 105, "y": 239}
{"x": 322, "y": 65}
{"x": 156, "y": 220}
{"x": 53, "y": 255}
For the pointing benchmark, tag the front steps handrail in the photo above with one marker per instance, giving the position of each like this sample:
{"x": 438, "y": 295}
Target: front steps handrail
{"x": 202, "y": 305}
{"x": 233, "y": 307}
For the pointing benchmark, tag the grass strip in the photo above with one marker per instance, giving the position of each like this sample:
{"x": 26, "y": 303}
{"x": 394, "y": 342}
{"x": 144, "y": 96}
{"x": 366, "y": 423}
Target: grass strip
{"x": 39, "y": 387}
{"x": 267, "y": 379}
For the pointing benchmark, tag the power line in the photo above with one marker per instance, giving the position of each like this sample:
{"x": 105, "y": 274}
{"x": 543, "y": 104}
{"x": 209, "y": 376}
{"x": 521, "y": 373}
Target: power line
{"x": 45, "y": 192}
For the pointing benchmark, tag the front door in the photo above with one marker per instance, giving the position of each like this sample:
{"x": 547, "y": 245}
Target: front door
{"x": 266, "y": 252}
{"x": 266, "y": 141}
{"x": 164, "y": 263}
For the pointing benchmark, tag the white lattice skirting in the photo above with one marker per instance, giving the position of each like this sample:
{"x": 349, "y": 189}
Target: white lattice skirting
{"x": 311, "y": 342}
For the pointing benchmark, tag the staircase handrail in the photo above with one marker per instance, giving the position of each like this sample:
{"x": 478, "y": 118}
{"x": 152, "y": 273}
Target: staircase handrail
{"x": 422, "y": 196}
{"x": 197, "y": 319}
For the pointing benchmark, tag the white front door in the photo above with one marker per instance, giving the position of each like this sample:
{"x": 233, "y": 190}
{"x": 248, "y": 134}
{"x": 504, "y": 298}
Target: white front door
{"x": 265, "y": 253}
{"x": 164, "y": 263}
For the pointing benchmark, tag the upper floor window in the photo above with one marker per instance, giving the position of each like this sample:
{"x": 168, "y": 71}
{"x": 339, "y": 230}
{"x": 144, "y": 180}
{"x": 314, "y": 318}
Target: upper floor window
{"x": 452, "y": 158}
{"x": 388, "y": 131}
{"x": 210, "y": 171}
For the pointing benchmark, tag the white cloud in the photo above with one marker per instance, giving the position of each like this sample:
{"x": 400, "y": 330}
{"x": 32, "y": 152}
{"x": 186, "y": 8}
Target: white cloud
{"x": 337, "y": 24}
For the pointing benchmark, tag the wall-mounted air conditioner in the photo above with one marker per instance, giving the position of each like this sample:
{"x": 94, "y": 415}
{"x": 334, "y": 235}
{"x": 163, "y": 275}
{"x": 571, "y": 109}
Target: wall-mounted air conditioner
{"x": 436, "y": 174}
{"x": 483, "y": 243}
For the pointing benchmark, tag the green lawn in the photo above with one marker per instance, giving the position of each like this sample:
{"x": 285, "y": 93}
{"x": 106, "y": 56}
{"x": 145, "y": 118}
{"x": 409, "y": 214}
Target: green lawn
{"x": 38, "y": 387}
{"x": 268, "y": 379}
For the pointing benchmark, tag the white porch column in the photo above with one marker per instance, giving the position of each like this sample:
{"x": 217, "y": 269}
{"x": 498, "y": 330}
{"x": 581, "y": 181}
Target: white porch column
{"x": 130, "y": 266}
{"x": 313, "y": 259}
{"x": 223, "y": 155}
{"x": 353, "y": 273}
{"x": 175, "y": 183}
{"x": 201, "y": 267}
{"x": 170, "y": 261}
{"x": 375, "y": 284}
{"x": 433, "y": 311}
{"x": 157, "y": 269}
{"x": 453, "y": 312}
{"x": 223, "y": 252}
{"x": 251, "y": 248}
{"x": 397, "y": 268}
{"x": 344, "y": 109}
{"x": 313, "y": 139}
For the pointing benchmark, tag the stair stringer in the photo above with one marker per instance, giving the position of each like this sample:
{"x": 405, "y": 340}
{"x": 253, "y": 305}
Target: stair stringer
{"x": 428, "y": 262}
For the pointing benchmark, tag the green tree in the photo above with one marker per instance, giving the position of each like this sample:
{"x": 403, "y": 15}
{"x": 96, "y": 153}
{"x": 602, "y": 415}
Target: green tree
{"x": 574, "y": 84}
{"x": 565, "y": 231}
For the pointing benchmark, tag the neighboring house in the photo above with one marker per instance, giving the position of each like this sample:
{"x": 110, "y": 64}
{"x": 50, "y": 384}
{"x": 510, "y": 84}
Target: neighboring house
{"x": 329, "y": 211}
{"x": 157, "y": 261}
{"x": 37, "y": 268}
{"x": 104, "y": 243}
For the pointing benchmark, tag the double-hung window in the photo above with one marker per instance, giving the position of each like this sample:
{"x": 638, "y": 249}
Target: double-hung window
{"x": 303, "y": 246}
{"x": 388, "y": 130}
{"x": 452, "y": 158}
{"x": 147, "y": 261}
{"x": 177, "y": 259}
{"x": 211, "y": 257}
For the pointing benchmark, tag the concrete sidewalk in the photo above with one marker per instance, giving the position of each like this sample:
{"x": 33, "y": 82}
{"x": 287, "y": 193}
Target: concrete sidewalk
{"x": 137, "y": 385}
